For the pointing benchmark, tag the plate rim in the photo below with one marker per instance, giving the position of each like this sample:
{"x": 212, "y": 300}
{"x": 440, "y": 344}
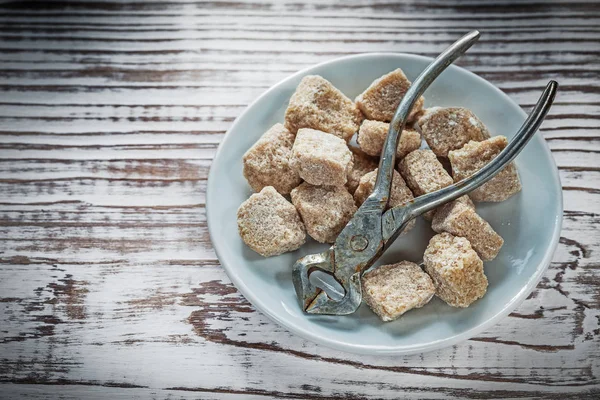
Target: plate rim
{"x": 385, "y": 349}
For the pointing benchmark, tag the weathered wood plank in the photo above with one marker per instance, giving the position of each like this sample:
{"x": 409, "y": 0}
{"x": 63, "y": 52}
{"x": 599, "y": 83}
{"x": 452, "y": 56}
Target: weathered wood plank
{"x": 77, "y": 390}
{"x": 110, "y": 115}
{"x": 61, "y": 295}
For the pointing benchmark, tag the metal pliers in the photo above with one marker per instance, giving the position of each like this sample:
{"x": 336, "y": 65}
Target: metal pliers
{"x": 372, "y": 229}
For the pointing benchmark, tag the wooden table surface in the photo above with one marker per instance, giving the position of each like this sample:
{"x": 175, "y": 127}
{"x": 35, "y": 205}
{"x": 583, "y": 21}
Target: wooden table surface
{"x": 110, "y": 114}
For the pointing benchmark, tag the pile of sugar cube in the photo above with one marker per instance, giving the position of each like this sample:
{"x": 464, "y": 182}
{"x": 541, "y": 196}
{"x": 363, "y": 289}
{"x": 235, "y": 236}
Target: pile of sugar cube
{"x": 309, "y": 161}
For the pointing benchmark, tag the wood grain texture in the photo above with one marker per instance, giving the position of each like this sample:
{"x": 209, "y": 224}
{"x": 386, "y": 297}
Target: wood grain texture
{"x": 110, "y": 114}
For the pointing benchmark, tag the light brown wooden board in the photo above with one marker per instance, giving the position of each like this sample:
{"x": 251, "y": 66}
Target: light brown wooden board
{"x": 110, "y": 114}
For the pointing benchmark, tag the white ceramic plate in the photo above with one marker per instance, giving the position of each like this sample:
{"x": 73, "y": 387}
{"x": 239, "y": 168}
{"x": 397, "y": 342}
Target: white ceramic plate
{"x": 529, "y": 222}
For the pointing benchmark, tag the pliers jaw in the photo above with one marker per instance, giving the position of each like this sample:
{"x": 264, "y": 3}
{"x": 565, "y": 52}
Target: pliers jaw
{"x": 355, "y": 250}
{"x": 306, "y": 291}
{"x": 314, "y": 299}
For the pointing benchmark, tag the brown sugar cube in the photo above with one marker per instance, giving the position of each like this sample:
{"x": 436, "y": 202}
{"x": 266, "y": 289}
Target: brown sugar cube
{"x": 446, "y": 129}
{"x": 266, "y": 163}
{"x": 456, "y": 270}
{"x": 410, "y": 140}
{"x": 372, "y": 135}
{"x": 391, "y": 290}
{"x": 424, "y": 174}
{"x": 474, "y": 156}
{"x": 363, "y": 163}
{"x": 381, "y": 99}
{"x": 399, "y": 194}
{"x": 325, "y": 210}
{"x": 461, "y": 219}
{"x": 466, "y": 200}
{"x": 317, "y": 104}
{"x": 269, "y": 224}
{"x": 320, "y": 158}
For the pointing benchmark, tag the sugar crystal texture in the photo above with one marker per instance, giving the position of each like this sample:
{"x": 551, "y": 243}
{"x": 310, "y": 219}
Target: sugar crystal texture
{"x": 317, "y": 104}
{"x": 325, "y": 210}
{"x": 372, "y": 135}
{"x": 456, "y": 270}
{"x": 381, "y": 99}
{"x": 266, "y": 163}
{"x": 475, "y": 155}
{"x": 460, "y": 219}
{"x": 424, "y": 174}
{"x": 269, "y": 224}
{"x": 363, "y": 163}
{"x": 446, "y": 129}
{"x": 466, "y": 200}
{"x": 320, "y": 158}
{"x": 391, "y": 290}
